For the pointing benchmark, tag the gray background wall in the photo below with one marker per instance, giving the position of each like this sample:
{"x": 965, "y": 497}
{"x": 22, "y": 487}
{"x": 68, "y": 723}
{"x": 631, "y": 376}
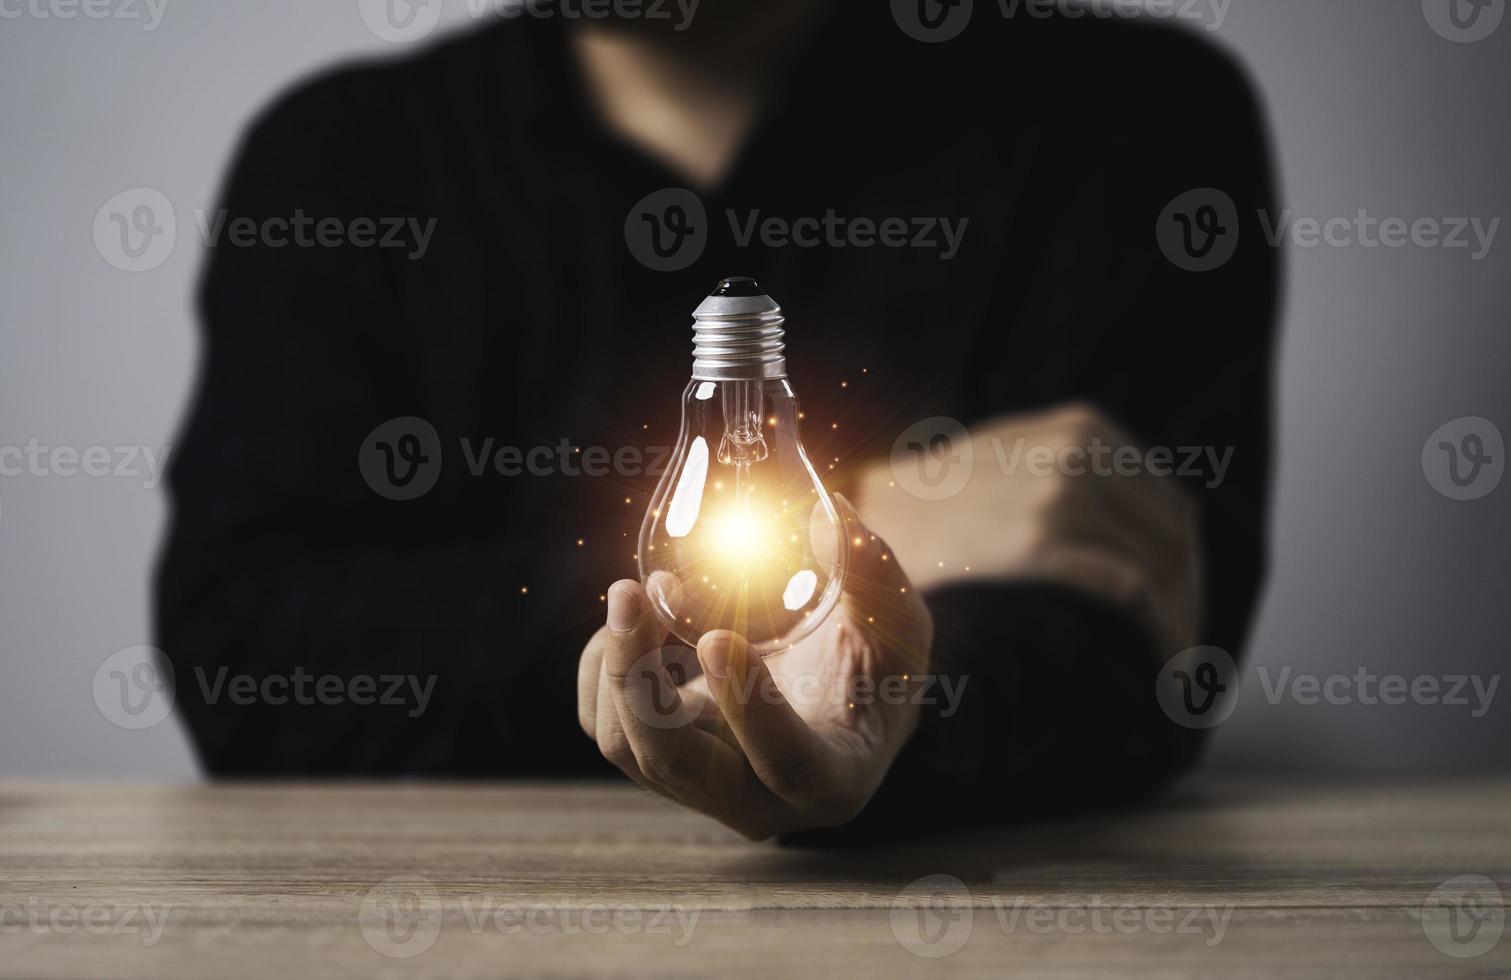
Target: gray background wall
{"x": 1371, "y": 109}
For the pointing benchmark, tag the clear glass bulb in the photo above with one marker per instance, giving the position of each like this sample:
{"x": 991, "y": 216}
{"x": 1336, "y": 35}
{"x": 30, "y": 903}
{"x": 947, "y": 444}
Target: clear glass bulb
{"x": 741, "y": 533}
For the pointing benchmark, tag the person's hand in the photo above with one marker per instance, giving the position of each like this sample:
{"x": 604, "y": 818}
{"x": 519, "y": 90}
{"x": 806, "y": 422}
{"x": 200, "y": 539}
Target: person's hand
{"x": 796, "y": 741}
{"x": 1128, "y": 539}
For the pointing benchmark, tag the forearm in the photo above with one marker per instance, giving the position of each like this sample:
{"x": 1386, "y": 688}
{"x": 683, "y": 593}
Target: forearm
{"x": 1042, "y": 702}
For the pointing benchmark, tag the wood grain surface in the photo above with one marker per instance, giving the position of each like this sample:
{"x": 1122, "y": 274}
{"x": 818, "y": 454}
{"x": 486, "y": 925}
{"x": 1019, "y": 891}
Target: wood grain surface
{"x": 1249, "y": 879}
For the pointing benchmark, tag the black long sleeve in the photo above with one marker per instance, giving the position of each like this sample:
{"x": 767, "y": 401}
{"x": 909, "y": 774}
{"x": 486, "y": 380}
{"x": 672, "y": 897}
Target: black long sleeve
{"x": 1057, "y": 709}
{"x": 527, "y": 323}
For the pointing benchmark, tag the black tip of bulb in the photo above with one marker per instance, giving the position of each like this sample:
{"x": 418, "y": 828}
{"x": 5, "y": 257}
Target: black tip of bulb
{"x": 737, "y": 286}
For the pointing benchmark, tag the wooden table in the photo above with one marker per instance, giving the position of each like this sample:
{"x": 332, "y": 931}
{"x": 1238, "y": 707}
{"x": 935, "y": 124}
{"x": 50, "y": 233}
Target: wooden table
{"x": 321, "y": 880}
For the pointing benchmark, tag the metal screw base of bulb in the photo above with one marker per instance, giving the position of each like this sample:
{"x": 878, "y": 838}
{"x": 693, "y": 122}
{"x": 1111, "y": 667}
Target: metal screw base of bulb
{"x": 738, "y": 335}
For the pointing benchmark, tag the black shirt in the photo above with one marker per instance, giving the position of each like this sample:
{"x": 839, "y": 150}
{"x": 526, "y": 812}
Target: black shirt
{"x": 528, "y": 321}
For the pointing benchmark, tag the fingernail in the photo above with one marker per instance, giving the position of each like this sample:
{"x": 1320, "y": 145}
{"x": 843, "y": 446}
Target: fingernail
{"x": 624, "y": 608}
{"x": 714, "y": 654}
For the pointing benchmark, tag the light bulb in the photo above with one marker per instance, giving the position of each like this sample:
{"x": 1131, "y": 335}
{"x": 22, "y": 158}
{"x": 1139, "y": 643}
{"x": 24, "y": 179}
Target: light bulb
{"x": 741, "y": 533}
